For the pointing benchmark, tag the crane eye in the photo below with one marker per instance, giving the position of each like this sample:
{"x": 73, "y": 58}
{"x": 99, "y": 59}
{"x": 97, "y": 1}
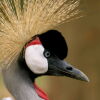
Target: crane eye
{"x": 47, "y": 54}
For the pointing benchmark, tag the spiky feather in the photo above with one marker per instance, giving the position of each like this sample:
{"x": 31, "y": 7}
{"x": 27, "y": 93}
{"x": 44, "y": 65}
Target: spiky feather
{"x": 22, "y": 19}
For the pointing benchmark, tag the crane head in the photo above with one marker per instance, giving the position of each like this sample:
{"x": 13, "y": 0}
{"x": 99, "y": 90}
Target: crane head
{"x": 45, "y": 54}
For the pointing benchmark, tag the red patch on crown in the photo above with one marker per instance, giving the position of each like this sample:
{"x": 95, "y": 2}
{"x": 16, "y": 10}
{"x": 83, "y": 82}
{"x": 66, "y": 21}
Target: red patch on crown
{"x": 34, "y": 42}
{"x": 40, "y": 92}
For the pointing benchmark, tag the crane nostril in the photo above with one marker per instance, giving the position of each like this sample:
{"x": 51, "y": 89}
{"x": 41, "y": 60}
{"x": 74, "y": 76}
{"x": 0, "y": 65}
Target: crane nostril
{"x": 69, "y": 68}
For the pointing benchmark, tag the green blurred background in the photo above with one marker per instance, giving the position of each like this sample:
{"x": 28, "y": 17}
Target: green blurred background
{"x": 83, "y": 37}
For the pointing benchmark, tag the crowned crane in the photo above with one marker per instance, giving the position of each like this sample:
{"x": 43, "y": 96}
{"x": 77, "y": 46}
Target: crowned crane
{"x": 29, "y": 47}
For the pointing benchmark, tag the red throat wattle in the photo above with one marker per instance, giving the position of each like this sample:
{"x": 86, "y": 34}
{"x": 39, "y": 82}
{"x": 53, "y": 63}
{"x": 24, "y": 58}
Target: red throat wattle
{"x": 40, "y": 92}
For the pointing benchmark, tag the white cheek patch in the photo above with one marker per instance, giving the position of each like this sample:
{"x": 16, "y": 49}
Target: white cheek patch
{"x": 35, "y": 59}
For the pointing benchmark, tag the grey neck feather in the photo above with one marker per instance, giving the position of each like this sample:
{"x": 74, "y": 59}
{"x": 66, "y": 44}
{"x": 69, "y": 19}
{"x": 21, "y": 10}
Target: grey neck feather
{"x": 19, "y": 84}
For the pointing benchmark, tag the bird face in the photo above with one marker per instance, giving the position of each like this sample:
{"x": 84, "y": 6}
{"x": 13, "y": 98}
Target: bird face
{"x": 45, "y": 56}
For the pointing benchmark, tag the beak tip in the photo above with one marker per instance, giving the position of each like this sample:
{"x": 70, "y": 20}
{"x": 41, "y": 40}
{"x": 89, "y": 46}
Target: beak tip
{"x": 84, "y": 77}
{"x": 87, "y": 79}
{"x": 81, "y": 76}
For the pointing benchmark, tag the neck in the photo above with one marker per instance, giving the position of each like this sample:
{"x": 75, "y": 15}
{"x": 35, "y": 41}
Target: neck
{"x": 19, "y": 83}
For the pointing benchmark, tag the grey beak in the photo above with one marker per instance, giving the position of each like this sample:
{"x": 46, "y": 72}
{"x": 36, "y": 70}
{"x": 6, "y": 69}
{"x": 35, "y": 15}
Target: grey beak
{"x": 73, "y": 72}
{"x": 59, "y": 67}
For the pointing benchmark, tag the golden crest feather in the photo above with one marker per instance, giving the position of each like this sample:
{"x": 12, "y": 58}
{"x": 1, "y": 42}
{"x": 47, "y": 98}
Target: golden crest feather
{"x": 22, "y": 19}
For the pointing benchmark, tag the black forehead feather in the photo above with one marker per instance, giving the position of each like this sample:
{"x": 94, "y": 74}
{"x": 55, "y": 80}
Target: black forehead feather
{"x": 55, "y": 42}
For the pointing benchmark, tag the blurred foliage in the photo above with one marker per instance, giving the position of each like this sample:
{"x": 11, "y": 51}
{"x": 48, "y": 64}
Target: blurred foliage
{"x": 83, "y": 38}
